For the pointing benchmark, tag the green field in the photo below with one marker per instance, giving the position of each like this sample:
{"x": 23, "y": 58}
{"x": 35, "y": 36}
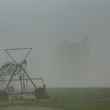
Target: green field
{"x": 83, "y": 98}
{"x": 68, "y": 99}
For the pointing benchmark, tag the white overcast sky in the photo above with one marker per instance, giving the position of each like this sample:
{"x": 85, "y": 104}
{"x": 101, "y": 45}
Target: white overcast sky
{"x": 43, "y": 24}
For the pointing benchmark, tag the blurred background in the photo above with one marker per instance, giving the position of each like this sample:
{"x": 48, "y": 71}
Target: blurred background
{"x": 70, "y": 39}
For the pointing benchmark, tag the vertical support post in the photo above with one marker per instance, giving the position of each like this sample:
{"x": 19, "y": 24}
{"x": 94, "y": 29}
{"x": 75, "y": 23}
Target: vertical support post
{"x": 20, "y": 78}
{"x": 23, "y": 80}
{"x": 26, "y": 84}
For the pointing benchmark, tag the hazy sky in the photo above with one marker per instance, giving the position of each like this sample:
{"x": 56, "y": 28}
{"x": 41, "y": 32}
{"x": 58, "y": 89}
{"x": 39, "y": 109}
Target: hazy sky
{"x": 44, "y": 24}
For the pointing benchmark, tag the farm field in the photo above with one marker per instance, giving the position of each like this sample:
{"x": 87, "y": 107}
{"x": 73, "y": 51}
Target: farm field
{"x": 68, "y": 99}
{"x": 83, "y": 98}
{"x": 27, "y": 108}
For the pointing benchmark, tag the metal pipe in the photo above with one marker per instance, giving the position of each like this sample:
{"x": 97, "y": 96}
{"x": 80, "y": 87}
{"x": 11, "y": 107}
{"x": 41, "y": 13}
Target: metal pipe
{"x": 18, "y": 79}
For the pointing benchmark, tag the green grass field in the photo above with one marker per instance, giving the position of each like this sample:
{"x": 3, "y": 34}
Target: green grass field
{"x": 68, "y": 99}
{"x": 83, "y": 98}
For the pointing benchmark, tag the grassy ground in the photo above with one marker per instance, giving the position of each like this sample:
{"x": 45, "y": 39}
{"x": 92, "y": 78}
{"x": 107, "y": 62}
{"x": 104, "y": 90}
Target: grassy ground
{"x": 83, "y": 98}
{"x": 68, "y": 99}
{"x": 27, "y": 108}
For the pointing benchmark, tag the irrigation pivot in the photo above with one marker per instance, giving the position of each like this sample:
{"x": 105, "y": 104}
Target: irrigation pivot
{"x": 18, "y": 69}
